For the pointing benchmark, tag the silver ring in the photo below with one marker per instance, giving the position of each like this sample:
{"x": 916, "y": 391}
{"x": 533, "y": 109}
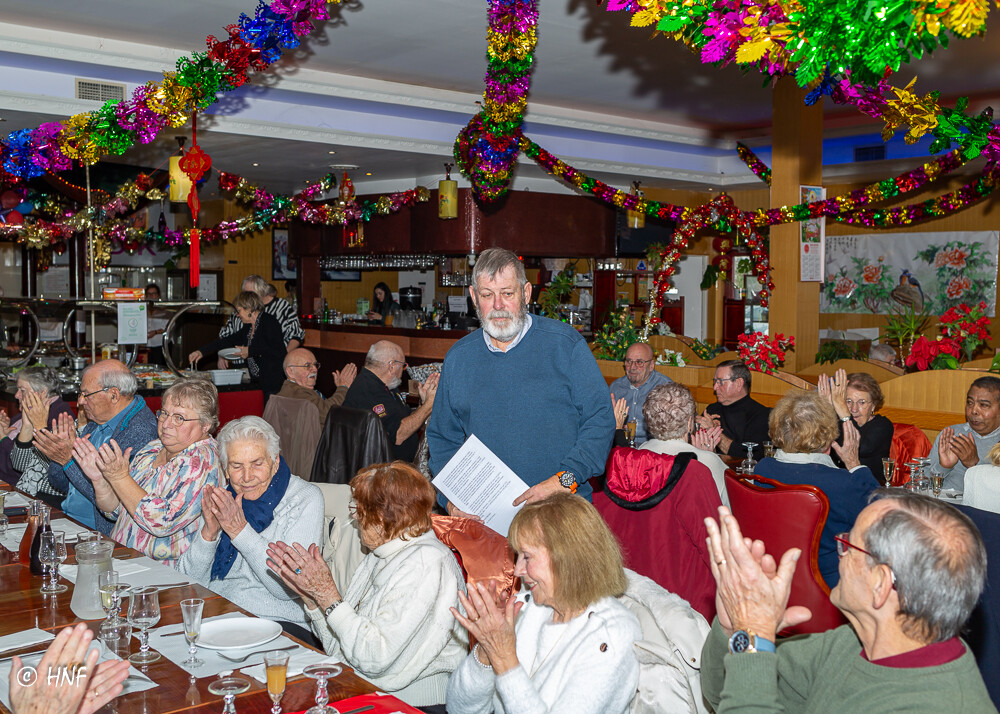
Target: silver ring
{"x": 298, "y": 571}
{"x": 721, "y": 562}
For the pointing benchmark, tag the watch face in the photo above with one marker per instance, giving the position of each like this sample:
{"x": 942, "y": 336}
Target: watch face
{"x": 567, "y": 479}
{"x": 739, "y": 642}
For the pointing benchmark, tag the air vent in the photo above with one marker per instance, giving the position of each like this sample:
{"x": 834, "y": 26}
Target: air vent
{"x": 869, "y": 153}
{"x": 99, "y": 91}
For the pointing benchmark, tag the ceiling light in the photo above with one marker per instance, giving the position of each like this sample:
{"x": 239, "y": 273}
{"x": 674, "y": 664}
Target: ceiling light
{"x": 331, "y": 152}
{"x": 368, "y": 174}
{"x": 255, "y": 164}
{"x": 344, "y": 167}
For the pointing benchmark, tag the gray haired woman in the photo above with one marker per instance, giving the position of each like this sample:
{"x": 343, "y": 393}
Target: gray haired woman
{"x": 20, "y": 463}
{"x": 263, "y": 503}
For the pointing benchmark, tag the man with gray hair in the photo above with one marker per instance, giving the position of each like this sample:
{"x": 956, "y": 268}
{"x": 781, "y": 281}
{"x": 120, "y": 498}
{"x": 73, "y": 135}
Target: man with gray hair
{"x": 114, "y": 411}
{"x": 735, "y": 417}
{"x": 911, "y": 571}
{"x": 278, "y": 308}
{"x": 528, "y": 387}
{"x": 375, "y": 388}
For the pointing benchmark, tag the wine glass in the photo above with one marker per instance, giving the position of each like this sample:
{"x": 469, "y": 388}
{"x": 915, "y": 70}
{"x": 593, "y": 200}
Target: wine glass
{"x": 191, "y": 611}
{"x": 748, "y": 464}
{"x": 888, "y": 470}
{"x": 111, "y": 589}
{"x": 322, "y": 672}
{"x": 630, "y": 432}
{"x": 914, "y": 467}
{"x": 937, "y": 481}
{"x": 51, "y": 552}
{"x": 144, "y": 612}
{"x": 228, "y": 688}
{"x": 276, "y": 665}
{"x": 769, "y": 449}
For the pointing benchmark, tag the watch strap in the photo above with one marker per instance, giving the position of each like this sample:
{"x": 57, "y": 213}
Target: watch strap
{"x": 331, "y": 608}
{"x": 568, "y": 480}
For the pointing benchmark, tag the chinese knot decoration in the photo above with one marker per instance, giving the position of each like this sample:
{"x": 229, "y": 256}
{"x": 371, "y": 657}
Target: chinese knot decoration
{"x": 762, "y": 353}
{"x": 195, "y": 163}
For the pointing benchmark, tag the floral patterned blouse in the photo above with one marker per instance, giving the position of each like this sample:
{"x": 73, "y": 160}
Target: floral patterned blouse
{"x": 169, "y": 515}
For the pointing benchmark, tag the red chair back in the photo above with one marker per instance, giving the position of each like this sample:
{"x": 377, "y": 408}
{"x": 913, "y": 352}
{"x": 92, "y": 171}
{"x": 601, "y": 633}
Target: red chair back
{"x": 788, "y": 516}
{"x": 908, "y": 442}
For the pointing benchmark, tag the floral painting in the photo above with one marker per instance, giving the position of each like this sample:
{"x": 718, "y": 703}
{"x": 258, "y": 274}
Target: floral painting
{"x": 930, "y": 272}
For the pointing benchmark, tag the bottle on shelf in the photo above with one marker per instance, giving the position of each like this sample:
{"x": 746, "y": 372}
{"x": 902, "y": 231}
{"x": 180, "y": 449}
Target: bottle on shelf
{"x": 34, "y": 514}
{"x": 34, "y": 562}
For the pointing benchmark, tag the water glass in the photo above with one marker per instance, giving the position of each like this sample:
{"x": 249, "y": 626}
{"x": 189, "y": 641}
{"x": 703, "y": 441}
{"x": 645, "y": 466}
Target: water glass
{"x": 117, "y": 638}
{"x": 321, "y": 673}
{"x": 191, "y": 611}
{"x": 228, "y": 688}
{"x": 749, "y": 464}
{"x": 769, "y": 449}
{"x": 276, "y": 666}
{"x": 937, "y": 481}
{"x": 888, "y": 471}
{"x": 144, "y": 612}
{"x": 52, "y": 552}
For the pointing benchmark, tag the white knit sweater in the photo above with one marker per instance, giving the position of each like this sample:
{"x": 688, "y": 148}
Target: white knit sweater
{"x": 585, "y": 665}
{"x": 298, "y": 518}
{"x": 394, "y": 626}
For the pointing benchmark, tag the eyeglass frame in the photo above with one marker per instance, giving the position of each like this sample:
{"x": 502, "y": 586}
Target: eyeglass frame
{"x": 88, "y": 395}
{"x": 173, "y": 418}
{"x": 636, "y": 362}
{"x": 719, "y": 380}
{"x": 844, "y": 546}
{"x": 861, "y": 403}
{"x": 317, "y": 365}
{"x": 396, "y": 361}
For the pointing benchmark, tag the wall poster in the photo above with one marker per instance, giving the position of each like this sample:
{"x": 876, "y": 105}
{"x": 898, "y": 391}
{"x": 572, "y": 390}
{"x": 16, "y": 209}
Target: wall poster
{"x": 929, "y": 272}
{"x": 811, "y": 238}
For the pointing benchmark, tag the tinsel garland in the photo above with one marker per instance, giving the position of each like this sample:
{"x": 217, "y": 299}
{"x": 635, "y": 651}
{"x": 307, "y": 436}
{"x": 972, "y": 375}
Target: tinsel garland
{"x": 759, "y": 168}
{"x": 253, "y": 44}
{"x": 492, "y": 146}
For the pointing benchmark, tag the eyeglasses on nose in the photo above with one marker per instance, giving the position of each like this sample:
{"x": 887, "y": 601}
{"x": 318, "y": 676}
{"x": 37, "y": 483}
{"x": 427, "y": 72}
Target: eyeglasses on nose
{"x": 173, "y": 419}
{"x": 87, "y": 395}
{"x": 637, "y": 362}
{"x": 396, "y": 361}
{"x": 314, "y": 365}
{"x": 720, "y": 380}
{"x": 844, "y": 546}
{"x": 857, "y": 402}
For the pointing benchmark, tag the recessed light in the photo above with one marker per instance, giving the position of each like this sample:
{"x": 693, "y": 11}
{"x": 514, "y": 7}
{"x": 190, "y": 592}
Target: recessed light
{"x": 331, "y": 153}
{"x": 368, "y": 174}
{"x": 255, "y": 163}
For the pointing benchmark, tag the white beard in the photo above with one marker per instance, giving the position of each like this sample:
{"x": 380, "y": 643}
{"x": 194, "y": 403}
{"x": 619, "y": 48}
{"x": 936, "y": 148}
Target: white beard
{"x": 503, "y": 334}
{"x": 394, "y": 383}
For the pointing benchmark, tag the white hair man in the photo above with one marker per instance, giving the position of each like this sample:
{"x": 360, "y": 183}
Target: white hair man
{"x": 528, "y": 387}
{"x": 375, "y": 389}
{"x": 301, "y": 371}
{"x": 911, "y": 571}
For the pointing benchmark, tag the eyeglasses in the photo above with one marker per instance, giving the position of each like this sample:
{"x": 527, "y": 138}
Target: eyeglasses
{"x": 720, "y": 380}
{"x": 88, "y": 395}
{"x": 314, "y": 365}
{"x": 396, "y": 361}
{"x": 844, "y": 545}
{"x": 637, "y": 362}
{"x": 173, "y": 419}
{"x": 862, "y": 403}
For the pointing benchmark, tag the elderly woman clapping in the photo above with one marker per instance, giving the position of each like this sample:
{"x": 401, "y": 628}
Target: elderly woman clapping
{"x": 264, "y": 502}
{"x": 156, "y": 502}
{"x": 393, "y": 623}
{"x": 20, "y": 463}
{"x": 566, "y": 642}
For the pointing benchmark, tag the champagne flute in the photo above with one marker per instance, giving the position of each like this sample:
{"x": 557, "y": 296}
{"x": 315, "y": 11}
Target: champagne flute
{"x": 749, "y": 464}
{"x": 321, "y": 673}
{"x": 144, "y": 612}
{"x": 51, "y": 552}
{"x": 630, "y": 432}
{"x": 228, "y": 688}
{"x": 276, "y": 665}
{"x": 191, "y": 611}
{"x": 937, "y": 481}
{"x": 769, "y": 449}
{"x": 888, "y": 470}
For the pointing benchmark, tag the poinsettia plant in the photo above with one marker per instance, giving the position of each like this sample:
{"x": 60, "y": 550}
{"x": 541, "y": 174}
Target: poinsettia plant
{"x": 762, "y": 353}
{"x": 941, "y": 353}
{"x": 967, "y": 326}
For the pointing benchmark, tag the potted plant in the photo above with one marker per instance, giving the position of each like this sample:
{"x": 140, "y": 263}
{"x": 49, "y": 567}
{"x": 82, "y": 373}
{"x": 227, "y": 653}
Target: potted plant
{"x": 968, "y": 326}
{"x": 904, "y": 326}
{"x": 762, "y": 353}
{"x": 833, "y": 350}
{"x": 557, "y": 292}
{"x": 615, "y": 336}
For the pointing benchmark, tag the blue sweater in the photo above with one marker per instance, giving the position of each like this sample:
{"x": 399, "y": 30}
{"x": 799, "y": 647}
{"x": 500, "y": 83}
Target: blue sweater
{"x": 847, "y": 492}
{"x": 542, "y": 407}
{"x": 136, "y": 429}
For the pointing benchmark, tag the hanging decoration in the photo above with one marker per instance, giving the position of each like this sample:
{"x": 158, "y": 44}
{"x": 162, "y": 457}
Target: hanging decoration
{"x": 195, "y": 163}
{"x": 759, "y": 168}
{"x": 447, "y": 196}
{"x": 636, "y": 219}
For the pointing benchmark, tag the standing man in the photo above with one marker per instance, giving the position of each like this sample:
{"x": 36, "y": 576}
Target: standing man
{"x": 640, "y": 378}
{"x": 741, "y": 418}
{"x": 375, "y": 389}
{"x": 114, "y": 411}
{"x": 960, "y": 447}
{"x": 527, "y": 386}
{"x": 301, "y": 371}
{"x": 911, "y": 571}
{"x": 278, "y": 308}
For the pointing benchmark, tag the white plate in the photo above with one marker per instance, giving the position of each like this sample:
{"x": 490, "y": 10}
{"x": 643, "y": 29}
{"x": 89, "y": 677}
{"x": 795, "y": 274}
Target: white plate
{"x": 230, "y": 353}
{"x": 236, "y": 633}
{"x": 950, "y": 494}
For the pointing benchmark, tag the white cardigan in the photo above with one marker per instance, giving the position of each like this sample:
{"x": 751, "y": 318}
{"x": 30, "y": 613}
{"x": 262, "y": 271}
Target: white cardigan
{"x": 394, "y": 626}
{"x": 982, "y": 488}
{"x": 586, "y": 665}
{"x": 298, "y": 518}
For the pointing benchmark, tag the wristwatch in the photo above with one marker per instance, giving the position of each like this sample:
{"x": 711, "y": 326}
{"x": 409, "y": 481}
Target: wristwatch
{"x": 568, "y": 480}
{"x": 327, "y": 611}
{"x": 746, "y": 641}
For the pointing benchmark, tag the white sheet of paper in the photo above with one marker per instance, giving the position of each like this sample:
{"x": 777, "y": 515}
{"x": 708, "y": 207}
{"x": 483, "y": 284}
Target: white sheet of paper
{"x": 476, "y": 481}
{"x": 132, "y": 323}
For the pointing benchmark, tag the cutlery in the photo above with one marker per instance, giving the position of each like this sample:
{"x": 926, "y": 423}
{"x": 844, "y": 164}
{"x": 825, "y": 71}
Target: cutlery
{"x": 246, "y": 657}
{"x": 360, "y": 709}
{"x": 173, "y": 634}
{"x": 171, "y": 585}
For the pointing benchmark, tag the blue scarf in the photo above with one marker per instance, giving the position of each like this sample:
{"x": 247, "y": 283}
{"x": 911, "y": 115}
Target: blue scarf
{"x": 259, "y": 515}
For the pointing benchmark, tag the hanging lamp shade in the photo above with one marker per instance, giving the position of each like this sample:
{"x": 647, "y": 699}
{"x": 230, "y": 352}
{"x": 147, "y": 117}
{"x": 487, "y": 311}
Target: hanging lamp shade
{"x": 180, "y": 184}
{"x": 447, "y": 196}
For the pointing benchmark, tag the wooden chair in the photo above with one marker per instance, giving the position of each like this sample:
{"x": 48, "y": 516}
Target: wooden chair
{"x": 787, "y": 516}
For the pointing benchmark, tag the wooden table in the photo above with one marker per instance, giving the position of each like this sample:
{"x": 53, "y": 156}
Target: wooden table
{"x": 22, "y": 607}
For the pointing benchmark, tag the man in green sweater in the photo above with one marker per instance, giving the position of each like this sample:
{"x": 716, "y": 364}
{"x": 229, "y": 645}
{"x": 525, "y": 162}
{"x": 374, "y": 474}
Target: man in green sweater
{"x": 911, "y": 571}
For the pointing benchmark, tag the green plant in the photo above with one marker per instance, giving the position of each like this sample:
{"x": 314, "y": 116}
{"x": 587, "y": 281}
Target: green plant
{"x": 834, "y": 350}
{"x": 905, "y": 325}
{"x": 615, "y": 336}
{"x": 557, "y": 292}
{"x": 653, "y": 251}
{"x": 706, "y": 350}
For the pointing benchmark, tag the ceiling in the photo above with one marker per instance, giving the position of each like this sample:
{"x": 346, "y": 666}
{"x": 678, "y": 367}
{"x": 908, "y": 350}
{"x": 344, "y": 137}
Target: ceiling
{"x": 387, "y": 85}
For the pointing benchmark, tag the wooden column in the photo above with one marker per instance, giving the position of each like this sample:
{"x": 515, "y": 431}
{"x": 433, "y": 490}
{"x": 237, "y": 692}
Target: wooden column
{"x": 797, "y": 159}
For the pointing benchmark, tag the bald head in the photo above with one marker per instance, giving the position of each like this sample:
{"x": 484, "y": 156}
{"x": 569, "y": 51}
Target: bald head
{"x": 301, "y": 367}
{"x": 387, "y": 360}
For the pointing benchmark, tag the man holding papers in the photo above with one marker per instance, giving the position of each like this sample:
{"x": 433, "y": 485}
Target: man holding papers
{"x": 528, "y": 387}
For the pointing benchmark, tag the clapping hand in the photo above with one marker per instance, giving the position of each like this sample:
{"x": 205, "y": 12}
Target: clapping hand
{"x": 85, "y": 454}
{"x": 226, "y": 510}
{"x": 707, "y": 439}
{"x": 428, "y": 389}
{"x": 345, "y": 377}
{"x": 848, "y": 453}
{"x": 492, "y": 625}
{"x": 4, "y": 421}
{"x": 620, "y": 407}
{"x": 34, "y": 409}
{"x": 112, "y": 462}
{"x": 946, "y": 448}
{"x": 305, "y": 572}
{"x": 56, "y": 444}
